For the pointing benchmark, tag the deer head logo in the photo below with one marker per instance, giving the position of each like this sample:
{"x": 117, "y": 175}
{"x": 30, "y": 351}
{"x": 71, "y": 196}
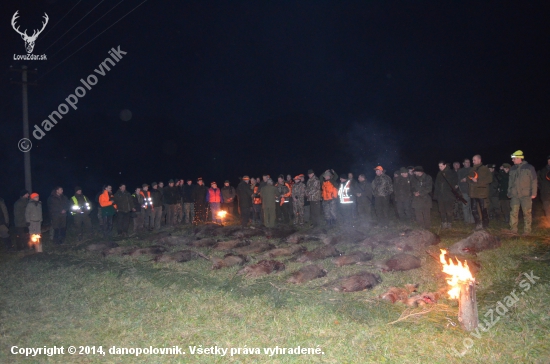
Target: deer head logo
{"x": 29, "y": 41}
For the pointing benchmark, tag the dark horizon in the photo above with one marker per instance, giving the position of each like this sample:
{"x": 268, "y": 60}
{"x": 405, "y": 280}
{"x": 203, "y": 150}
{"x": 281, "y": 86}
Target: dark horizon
{"x": 220, "y": 90}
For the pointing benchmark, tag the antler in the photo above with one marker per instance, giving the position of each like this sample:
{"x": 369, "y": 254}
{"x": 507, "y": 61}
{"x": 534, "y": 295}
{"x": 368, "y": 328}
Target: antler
{"x": 13, "y": 19}
{"x": 35, "y": 34}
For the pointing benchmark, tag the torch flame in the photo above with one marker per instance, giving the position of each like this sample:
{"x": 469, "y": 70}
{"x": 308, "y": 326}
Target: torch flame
{"x": 222, "y": 214}
{"x": 460, "y": 273}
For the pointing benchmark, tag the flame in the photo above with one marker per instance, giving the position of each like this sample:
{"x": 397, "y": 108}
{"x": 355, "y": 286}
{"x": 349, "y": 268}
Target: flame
{"x": 460, "y": 273}
{"x": 222, "y": 214}
{"x": 35, "y": 239}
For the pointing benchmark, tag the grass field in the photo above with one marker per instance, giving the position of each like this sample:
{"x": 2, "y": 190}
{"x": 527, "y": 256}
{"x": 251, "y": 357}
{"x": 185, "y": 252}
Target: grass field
{"x": 69, "y": 296}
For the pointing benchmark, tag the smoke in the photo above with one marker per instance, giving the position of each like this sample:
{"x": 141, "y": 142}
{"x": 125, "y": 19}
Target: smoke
{"x": 372, "y": 144}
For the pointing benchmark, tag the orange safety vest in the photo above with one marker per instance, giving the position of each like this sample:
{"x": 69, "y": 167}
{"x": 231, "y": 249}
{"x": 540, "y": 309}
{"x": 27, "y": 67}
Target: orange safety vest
{"x": 214, "y": 195}
{"x": 105, "y": 199}
{"x": 329, "y": 191}
{"x": 147, "y": 200}
{"x": 256, "y": 199}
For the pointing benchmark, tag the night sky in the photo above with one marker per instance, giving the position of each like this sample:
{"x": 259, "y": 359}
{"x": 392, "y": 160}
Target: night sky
{"x": 220, "y": 89}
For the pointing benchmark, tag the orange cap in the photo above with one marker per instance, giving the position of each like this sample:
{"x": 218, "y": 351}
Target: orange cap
{"x": 379, "y": 168}
{"x": 33, "y": 195}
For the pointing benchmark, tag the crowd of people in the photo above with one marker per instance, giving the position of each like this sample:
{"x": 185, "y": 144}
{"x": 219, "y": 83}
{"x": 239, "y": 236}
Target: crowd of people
{"x": 474, "y": 193}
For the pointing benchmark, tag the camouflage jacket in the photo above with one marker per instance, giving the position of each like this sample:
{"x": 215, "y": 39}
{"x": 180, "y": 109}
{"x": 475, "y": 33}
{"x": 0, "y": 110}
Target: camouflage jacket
{"x": 313, "y": 189}
{"x": 299, "y": 191}
{"x": 382, "y": 186}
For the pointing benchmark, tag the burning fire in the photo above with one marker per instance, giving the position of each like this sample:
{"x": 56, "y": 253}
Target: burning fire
{"x": 35, "y": 239}
{"x": 222, "y": 214}
{"x": 460, "y": 274}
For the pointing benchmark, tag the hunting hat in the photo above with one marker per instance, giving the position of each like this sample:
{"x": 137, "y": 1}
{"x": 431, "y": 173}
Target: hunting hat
{"x": 213, "y": 183}
{"x": 403, "y": 170}
{"x": 310, "y": 171}
{"x": 170, "y": 181}
{"x": 23, "y": 192}
{"x": 506, "y": 165}
{"x": 379, "y": 168}
{"x": 418, "y": 169}
{"x": 144, "y": 185}
{"x": 246, "y": 178}
{"x": 327, "y": 173}
{"x": 199, "y": 179}
{"x": 154, "y": 184}
{"x": 298, "y": 177}
{"x": 226, "y": 181}
{"x": 491, "y": 166}
{"x": 77, "y": 188}
{"x": 33, "y": 195}
{"x": 518, "y": 154}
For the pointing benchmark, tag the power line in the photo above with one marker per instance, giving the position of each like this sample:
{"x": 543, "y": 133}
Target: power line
{"x": 73, "y": 26}
{"x": 87, "y": 28}
{"x": 49, "y": 30}
{"x": 125, "y": 15}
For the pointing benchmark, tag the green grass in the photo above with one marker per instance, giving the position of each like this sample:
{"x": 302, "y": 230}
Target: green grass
{"x": 68, "y": 296}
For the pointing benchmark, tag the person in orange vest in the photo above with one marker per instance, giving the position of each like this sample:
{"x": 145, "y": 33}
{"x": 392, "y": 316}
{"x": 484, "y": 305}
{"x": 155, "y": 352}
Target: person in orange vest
{"x": 330, "y": 196}
{"x": 215, "y": 199}
{"x": 108, "y": 210}
{"x": 283, "y": 200}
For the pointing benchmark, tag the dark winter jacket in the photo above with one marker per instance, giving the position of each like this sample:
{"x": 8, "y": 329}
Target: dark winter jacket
{"x": 503, "y": 179}
{"x": 138, "y": 201}
{"x": 402, "y": 188}
{"x": 57, "y": 203}
{"x": 19, "y": 212}
{"x": 171, "y": 195}
{"x": 123, "y": 201}
{"x": 244, "y": 195}
{"x": 157, "y": 198}
{"x": 228, "y": 194}
{"x": 544, "y": 183}
{"x": 4, "y": 217}
{"x": 463, "y": 173}
{"x": 444, "y": 192}
{"x": 199, "y": 194}
{"x": 33, "y": 211}
{"x": 365, "y": 189}
{"x": 187, "y": 193}
{"x": 523, "y": 181}
{"x": 422, "y": 185}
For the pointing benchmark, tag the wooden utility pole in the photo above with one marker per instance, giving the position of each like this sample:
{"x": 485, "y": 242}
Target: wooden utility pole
{"x": 27, "y": 154}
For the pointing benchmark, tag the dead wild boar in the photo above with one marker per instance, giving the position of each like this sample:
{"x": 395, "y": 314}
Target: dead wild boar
{"x": 179, "y": 256}
{"x": 352, "y": 258}
{"x": 203, "y": 243}
{"x": 261, "y": 268}
{"x": 254, "y": 248}
{"x": 356, "y": 282}
{"x": 476, "y": 242}
{"x": 282, "y": 252}
{"x": 401, "y": 262}
{"x": 306, "y": 274}
{"x": 229, "y": 260}
{"x": 231, "y": 244}
{"x": 322, "y": 252}
{"x": 150, "y": 250}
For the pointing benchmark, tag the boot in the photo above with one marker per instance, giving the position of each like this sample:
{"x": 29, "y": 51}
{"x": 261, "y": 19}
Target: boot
{"x": 479, "y": 227}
